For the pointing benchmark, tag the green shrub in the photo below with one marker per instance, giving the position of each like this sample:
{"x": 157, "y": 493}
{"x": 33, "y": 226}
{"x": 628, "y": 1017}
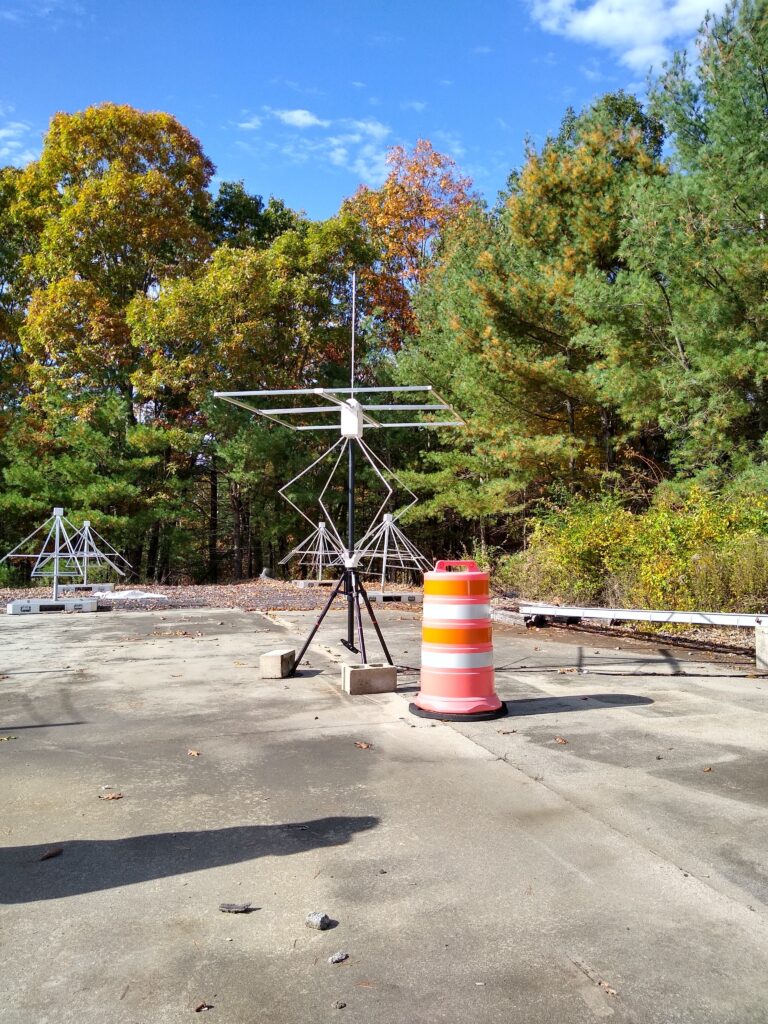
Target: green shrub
{"x": 699, "y": 551}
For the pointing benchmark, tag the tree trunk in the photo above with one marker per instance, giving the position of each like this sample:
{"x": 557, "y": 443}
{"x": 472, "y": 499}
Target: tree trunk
{"x": 213, "y": 523}
{"x": 249, "y": 542}
{"x": 570, "y": 408}
{"x": 237, "y": 532}
{"x": 134, "y": 555}
{"x": 154, "y": 544}
{"x": 607, "y": 421}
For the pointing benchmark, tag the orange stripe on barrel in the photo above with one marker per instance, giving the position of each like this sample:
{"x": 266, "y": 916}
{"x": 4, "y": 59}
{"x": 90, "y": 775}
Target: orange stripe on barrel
{"x": 456, "y": 585}
{"x": 450, "y": 634}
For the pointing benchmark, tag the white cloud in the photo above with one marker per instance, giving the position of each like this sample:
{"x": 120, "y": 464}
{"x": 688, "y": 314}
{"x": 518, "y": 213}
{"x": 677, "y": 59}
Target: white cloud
{"x": 639, "y": 32}
{"x": 417, "y": 105}
{"x": 356, "y": 145}
{"x": 16, "y": 143}
{"x": 591, "y": 71}
{"x": 56, "y": 13}
{"x": 451, "y": 143}
{"x": 371, "y": 127}
{"x": 300, "y": 118}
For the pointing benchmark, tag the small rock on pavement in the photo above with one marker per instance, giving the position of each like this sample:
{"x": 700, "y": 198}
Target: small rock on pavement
{"x": 339, "y": 1005}
{"x": 235, "y": 908}
{"x": 318, "y": 921}
{"x": 338, "y": 958}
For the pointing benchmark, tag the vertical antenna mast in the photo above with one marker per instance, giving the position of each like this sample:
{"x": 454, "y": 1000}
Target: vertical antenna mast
{"x": 352, "y": 603}
{"x": 352, "y": 362}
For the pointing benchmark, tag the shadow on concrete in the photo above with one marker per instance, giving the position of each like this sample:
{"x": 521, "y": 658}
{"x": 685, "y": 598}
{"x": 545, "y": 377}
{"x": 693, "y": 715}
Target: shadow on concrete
{"x": 586, "y": 702}
{"x": 40, "y": 725}
{"x": 90, "y": 865}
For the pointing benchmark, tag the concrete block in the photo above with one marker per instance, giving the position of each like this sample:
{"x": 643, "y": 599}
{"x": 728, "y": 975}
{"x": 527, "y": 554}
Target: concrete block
{"x": 400, "y": 597}
{"x": 277, "y": 664}
{"x": 761, "y": 648}
{"x": 34, "y": 606}
{"x": 86, "y": 588}
{"x": 359, "y": 679}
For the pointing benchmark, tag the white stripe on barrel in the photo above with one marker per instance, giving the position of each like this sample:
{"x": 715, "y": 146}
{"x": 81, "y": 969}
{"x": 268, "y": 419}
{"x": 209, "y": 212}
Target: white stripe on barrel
{"x": 433, "y": 610}
{"x": 455, "y": 659}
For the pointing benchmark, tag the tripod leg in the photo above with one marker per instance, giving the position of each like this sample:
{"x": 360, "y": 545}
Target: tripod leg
{"x": 375, "y": 625}
{"x": 359, "y": 617}
{"x": 316, "y": 626}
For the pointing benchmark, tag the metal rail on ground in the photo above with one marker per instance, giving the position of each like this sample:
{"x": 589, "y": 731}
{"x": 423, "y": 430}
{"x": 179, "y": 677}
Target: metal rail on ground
{"x": 534, "y": 610}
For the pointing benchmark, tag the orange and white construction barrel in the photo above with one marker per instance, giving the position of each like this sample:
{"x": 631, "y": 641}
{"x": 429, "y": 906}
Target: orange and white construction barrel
{"x": 457, "y": 645}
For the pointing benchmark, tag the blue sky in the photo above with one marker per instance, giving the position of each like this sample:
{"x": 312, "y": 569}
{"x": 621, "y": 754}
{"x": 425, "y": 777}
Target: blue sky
{"x": 302, "y": 98}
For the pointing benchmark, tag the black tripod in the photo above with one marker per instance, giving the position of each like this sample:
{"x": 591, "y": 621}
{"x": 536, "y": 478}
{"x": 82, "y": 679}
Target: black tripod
{"x": 351, "y": 583}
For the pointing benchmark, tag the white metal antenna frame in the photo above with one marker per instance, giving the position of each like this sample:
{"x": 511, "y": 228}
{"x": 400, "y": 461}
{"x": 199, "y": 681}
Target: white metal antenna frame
{"x": 64, "y": 554}
{"x": 87, "y": 550}
{"x": 57, "y": 556}
{"x": 351, "y": 417}
{"x": 389, "y": 546}
{"x": 319, "y": 550}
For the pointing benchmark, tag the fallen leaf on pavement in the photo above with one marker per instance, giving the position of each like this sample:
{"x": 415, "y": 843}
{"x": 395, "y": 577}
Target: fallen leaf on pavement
{"x": 706, "y": 769}
{"x": 560, "y": 739}
{"x": 362, "y": 745}
{"x": 565, "y": 671}
{"x": 110, "y": 796}
{"x": 202, "y": 1005}
{"x": 193, "y": 753}
{"x": 55, "y": 851}
{"x": 4, "y": 739}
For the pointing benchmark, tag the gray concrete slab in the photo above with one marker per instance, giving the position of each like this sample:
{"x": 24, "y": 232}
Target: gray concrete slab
{"x": 474, "y": 872}
{"x": 641, "y": 726}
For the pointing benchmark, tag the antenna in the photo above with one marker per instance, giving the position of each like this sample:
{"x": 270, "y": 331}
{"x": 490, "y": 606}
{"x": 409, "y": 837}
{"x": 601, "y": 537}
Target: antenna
{"x": 352, "y": 360}
{"x": 66, "y": 554}
{"x": 350, "y": 412}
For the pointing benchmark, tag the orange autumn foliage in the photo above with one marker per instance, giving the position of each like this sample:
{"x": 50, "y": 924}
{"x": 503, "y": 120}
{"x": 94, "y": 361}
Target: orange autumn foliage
{"x": 406, "y": 216}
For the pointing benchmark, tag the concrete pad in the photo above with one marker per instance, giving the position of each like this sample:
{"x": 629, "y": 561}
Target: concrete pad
{"x": 361, "y": 679}
{"x": 481, "y": 873}
{"x": 277, "y": 664}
